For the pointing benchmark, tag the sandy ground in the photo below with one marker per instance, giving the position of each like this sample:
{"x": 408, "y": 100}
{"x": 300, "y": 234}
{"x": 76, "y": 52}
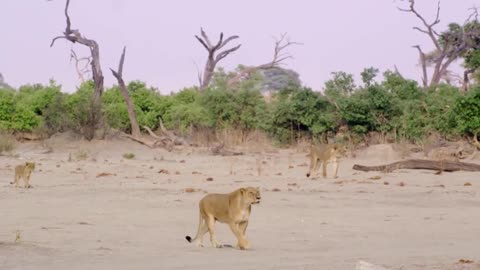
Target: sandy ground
{"x": 137, "y": 218}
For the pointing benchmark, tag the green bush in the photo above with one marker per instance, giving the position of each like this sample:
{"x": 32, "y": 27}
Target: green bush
{"x": 301, "y": 111}
{"x": 465, "y": 116}
{"x": 149, "y": 106}
{"x": 394, "y": 106}
{"x": 78, "y": 107}
{"x": 7, "y": 108}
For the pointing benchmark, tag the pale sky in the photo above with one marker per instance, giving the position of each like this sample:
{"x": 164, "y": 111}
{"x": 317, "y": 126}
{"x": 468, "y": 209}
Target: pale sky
{"x": 337, "y": 35}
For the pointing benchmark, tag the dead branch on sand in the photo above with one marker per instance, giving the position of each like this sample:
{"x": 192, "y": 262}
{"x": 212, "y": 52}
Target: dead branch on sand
{"x": 422, "y": 164}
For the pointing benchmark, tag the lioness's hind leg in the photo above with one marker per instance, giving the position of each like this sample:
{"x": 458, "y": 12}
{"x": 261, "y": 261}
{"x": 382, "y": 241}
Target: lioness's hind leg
{"x": 313, "y": 165}
{"x": 202, "y": 230}
{"x": 210, "y": 223}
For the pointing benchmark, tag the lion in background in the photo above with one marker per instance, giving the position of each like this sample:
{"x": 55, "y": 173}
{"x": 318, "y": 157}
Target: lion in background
{"x": 322, "y": 154}
{"x": 24, "y": 171}
{"x": 233, "y": 209}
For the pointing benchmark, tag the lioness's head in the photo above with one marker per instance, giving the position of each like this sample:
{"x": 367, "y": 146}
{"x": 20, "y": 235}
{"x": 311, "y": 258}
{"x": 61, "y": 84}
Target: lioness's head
{"x": 251, "y": 194}
{"x": 339, "y": 150}
{"x": 30, "y": 165}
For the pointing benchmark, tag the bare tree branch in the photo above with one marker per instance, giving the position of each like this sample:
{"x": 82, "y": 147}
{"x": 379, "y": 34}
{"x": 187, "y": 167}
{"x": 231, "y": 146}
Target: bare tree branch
{"x": 279, "y": 56}
{"x": 397, "y": 71}
{"x": 214, "y": 56}
{"x": 207, "y": 40}
{"x": 473, "y": 16}
{"x": 123, "y": 88}
{"x": 429, "y": 26}
{"x": 453, "y": 45}
{"x": 423, "y": 62}
{"x": 199, "y": 73}
{"x": 81, "y": 71}
{"x": 74, "y": 36}
{"x": 225, "y": 53}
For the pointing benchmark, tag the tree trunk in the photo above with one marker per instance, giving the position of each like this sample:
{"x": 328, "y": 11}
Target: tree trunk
{"x": 208, "y": 73}
{"x": 213, "y": 59}
{"x": 131, "y": 109}
{"x": 95, "y": 119}
{"x": 466, "y": 79}
{"x": 422, "y": 164}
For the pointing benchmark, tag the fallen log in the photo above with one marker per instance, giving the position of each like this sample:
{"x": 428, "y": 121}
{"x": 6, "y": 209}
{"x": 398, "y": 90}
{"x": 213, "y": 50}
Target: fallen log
{"x": 422, "y": 164}
{"x": 152, "y": 143}
{"x": 220, "y": 150}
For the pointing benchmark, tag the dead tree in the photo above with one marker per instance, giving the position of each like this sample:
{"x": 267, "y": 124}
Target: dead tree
{"x": 446, "y": 52}
{"x": 166, "y": 139}
{"x": 423, "y": 164}
{"x": 131, "y": 109}
{"x": 74, "y": 36}
{"x": 81, "y": 69}
{"x": 214, "y": 55}
{"x": 423, "y": 63}
{"x": 279, "y": 56}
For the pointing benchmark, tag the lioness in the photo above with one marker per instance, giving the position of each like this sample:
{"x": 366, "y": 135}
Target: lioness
{"x": 23, "y": 171}
{"x": 324, "y": 153}
{"x": 444, "y": 154}
{"x": 232, "y": 208}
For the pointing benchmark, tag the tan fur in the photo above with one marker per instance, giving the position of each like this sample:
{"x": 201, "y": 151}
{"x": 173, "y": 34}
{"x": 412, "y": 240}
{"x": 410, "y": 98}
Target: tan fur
{"x": 323, "y": 154}
{"x": 233, "y": 209}
{"x": 24, "y": 171}
{"x": 443, "y": 154}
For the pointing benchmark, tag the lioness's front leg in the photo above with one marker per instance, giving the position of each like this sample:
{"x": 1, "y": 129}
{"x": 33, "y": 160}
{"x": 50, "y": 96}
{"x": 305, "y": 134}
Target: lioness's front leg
{"x": 242, "y": 242}
{"x": 243, "y": 227}
{"x": 17, "y": 181}
{"x": 335, "y": 168}
{"x": 26, "y": 180}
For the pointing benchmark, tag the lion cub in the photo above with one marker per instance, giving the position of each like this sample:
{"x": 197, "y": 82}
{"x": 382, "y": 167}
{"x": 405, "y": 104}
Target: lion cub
{"x": 232, "y": 208}
{"x": 323, "y": 154}
{"x": 23, "y": 171}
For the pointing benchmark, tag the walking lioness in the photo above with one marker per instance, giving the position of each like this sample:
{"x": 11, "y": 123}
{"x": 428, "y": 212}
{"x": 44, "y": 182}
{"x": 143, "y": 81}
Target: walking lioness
{"x": 24, "y": 171}
{"x": 323, "y": 154}
{"x": 232, "y": 208}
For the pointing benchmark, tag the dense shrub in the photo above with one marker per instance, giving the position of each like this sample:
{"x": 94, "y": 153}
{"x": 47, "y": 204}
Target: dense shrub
{"x": 394, "y": 106}
{"x": 466, "y": 113}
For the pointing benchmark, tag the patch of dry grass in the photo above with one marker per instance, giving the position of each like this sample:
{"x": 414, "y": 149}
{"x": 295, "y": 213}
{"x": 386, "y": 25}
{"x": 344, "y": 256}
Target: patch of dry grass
{"x": 7, "y": 143}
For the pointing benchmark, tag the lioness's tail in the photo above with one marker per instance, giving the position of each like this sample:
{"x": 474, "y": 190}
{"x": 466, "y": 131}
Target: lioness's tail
{"x": 189, "y": 239}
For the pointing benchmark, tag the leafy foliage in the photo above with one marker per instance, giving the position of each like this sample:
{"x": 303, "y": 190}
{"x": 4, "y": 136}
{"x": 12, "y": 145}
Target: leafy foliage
{"x": 393, "y": 106}
{"x": 466, "y": 112}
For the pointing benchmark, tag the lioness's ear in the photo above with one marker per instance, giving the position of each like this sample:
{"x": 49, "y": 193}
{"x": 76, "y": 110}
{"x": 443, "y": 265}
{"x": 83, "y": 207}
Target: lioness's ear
{"x": 242, "y": 190}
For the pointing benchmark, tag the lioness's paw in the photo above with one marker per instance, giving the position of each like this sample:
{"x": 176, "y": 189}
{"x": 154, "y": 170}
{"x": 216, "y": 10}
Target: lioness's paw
{"x": 217, "y": 245}
{"x": 243, "y": 245}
